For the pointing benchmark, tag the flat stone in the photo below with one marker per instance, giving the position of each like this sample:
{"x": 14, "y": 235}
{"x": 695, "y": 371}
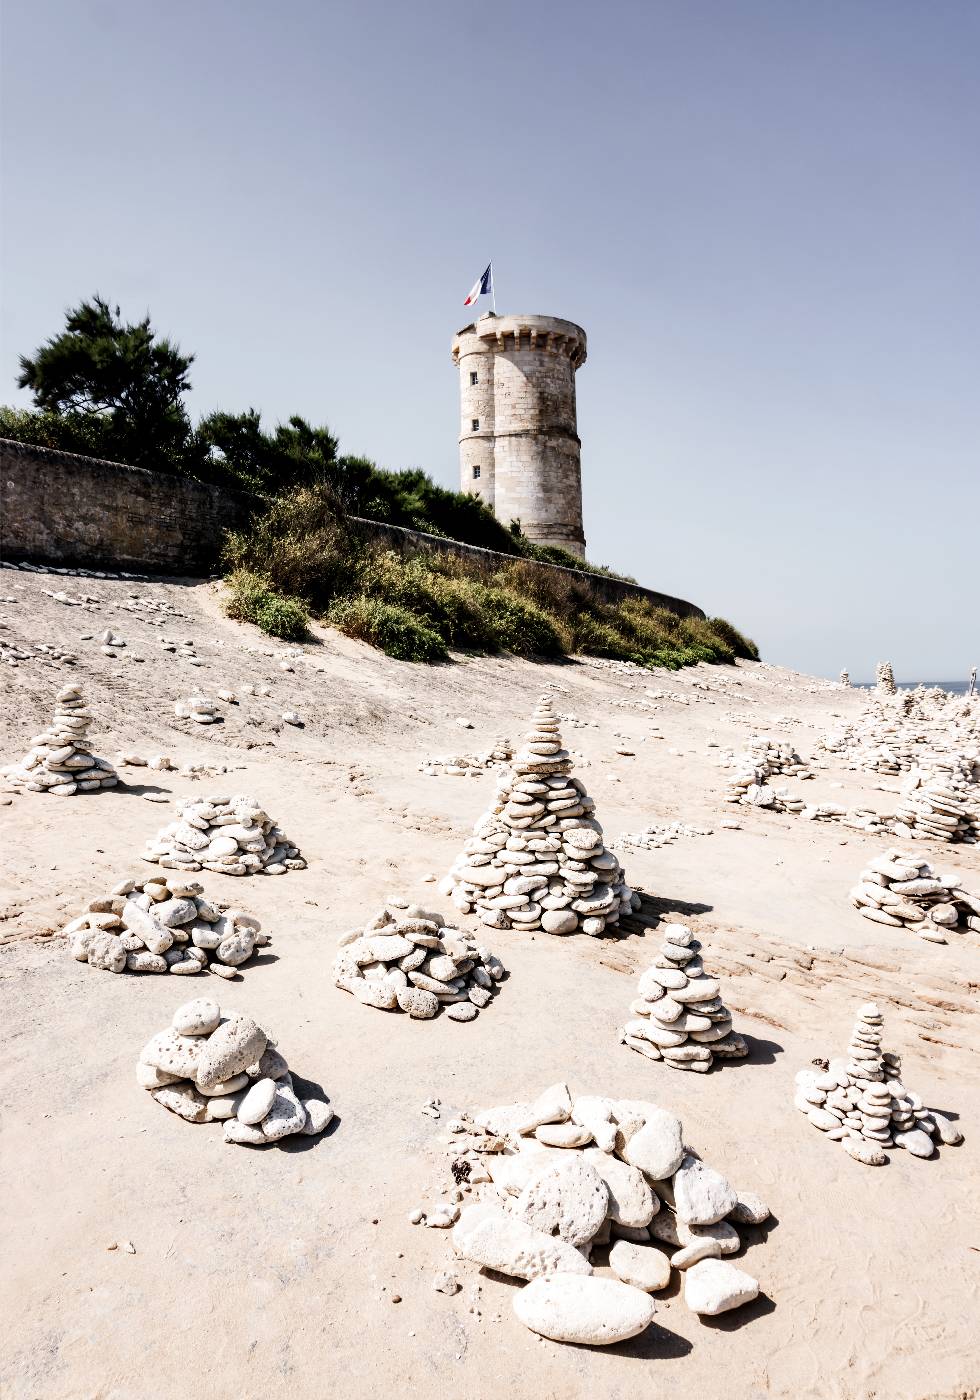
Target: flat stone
{"x": 587, "y": 1311}
{"x": 749, "y": 1209}
{"x": 488, "y": 1236}
{"x": 632, "y": 1203}
{"x": 230, "y": 1049}
{"x": 462, "y": 1011}
{"x": 657, "y": 1149}
{"x": 917, "y": 1141}
{"x": 701, "y": 1195}
{"x": 176, "y": 1054}
{"x": 642, "y": 1266}
{"x": 862, "y": 1151}
{"x": 714, "y": 1287}
{"x": 567, "y": 1198}
{"x": 236, "y": 1131}
{"x": 563, "y": 1135}
{"x": 184, "y": 1100}
{"x": 419, "y": 1004}
{"x": 198, "y": 1017}
{"x": 257, "y": 1102}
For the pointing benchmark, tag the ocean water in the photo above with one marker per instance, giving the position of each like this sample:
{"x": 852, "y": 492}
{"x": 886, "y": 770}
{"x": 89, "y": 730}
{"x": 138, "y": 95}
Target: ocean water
{"x": 955, "y": 687}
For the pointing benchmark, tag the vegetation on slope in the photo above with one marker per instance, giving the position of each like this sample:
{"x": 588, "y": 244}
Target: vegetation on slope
{"x": 306, "y": 553}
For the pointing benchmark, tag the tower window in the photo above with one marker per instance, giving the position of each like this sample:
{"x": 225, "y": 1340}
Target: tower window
{"x": 476, "y": 473}
{"x": 476, "y": 424}
{"x": 473, "y": 376}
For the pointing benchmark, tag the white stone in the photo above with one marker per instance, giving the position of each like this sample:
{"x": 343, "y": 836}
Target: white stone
{"x": 587, "y": 1311}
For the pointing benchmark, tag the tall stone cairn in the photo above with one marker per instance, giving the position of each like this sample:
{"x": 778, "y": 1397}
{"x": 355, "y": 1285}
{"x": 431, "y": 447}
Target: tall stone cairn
{"x": 845, "y": 678}
{"x": 60, "y": 760}
{"x": 885, "y": 678}
{"x": 537, "y": 859}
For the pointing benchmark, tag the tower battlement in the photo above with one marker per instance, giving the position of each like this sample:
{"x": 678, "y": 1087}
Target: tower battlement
{"x": 519, "y": 448}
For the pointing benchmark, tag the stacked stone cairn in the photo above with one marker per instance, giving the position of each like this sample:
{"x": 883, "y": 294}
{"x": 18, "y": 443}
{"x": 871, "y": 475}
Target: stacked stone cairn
{"x": 900, "y": 890}
{"x": 762, "y": 760}
{"x": 885, "y": 678}
{"x": 679, "y": 1016}
{"x": 543, "y": 1187}
{"x": 163, "y": 924}
{"x": 60, "y": 760}
{"x": 230, "y": 835}
{"x": 411, "y": 960}
{"x": 844, "y": 678}
{"x": 862, "y": 1103}
{"x": 537, "y": 859}
{"x": 209, "y": 1068}
{"x": 943, "y": 808}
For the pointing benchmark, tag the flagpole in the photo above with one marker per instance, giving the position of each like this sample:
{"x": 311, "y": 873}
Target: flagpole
{"x": 493, "y": 290}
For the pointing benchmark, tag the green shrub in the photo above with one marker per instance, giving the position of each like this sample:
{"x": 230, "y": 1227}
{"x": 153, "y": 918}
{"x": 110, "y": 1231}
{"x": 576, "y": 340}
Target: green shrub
{"x": 739, "y": 644}
{"x": 393, "y": 629}
{"x": 250, "y": 599}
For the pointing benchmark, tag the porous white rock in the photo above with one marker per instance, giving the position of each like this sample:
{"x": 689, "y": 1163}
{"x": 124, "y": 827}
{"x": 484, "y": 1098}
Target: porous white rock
{"x": 587, "y": 1311}
{"x": 512, "y": 1246}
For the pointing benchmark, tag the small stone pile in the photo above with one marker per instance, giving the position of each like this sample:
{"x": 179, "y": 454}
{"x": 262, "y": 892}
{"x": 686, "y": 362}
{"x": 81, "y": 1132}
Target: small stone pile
{"x": 862, "y": 1103}
{"x": 940, "y": 809}
{"x": 198, "y": 708}
{"x": 60, "y": 760}
{"x": 163, "y": 924}
{"x": 537, "y": 858}
{"x": 764, "y": 759}
{"x": 542, "y": 1188}
{"x": 467, "y": 765}
{"x": 661, "y": 834}
{"x": 230, "y": 835}
{"x": 885, "y": 678}
{"x": 679, "y": 1016}
{"x": 207, "y": 1068}
{"x": 844, "y": 679}
{"x": 411, "y": 960}
{"x": 901, "y": 890}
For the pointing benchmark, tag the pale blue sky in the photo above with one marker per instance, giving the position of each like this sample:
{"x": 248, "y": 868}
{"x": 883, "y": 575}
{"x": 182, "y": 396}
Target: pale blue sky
{"x": 765, "y": 213}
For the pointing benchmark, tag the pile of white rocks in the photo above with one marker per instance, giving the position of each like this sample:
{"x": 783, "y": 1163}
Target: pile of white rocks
{"x": 408, "y": 959}
{"x": 901, "y": 890}
{"x": 938, "y": 808}
{"x": 230, "y": 835}
{"x": 163, "y": 924}
{"x": 209, "y": 1068}
{"x": 653, "y": 838}
{"x": 761, "y": 760}
{"x": 844, "y": 679}
{"x": 60, "y": 761}
{"x": 543, "y": 1189}
{"x": 537, "y": 858}
{"x": 467, "y": 765}
{"x": 885, "y": 678}
{"x": 679, "y": 1016}
{"x": 198, "y": 708}
{"x": 862, "y": 1103}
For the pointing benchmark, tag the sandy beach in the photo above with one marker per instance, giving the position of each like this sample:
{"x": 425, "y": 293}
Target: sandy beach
{"x": 273, "y": 1270}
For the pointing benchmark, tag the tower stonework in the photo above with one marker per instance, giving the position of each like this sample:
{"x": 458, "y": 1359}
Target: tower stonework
{"x": 519, "y": 448}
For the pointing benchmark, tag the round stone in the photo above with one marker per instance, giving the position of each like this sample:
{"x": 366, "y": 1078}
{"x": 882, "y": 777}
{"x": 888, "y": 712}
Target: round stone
{"x": 462, "y": 1011}
{"x": 198, "y": 1017}
{"x": 257, "y": 1102}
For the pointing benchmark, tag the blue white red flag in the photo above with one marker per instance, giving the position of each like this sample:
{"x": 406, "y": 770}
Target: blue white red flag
{"x": 481, "y": 288}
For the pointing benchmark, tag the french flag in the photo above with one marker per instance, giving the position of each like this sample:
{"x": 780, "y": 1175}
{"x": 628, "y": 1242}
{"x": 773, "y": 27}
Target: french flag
{"x": 481, "y": 288}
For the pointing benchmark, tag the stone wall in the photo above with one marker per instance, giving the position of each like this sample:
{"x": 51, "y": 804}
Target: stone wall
{"x": 59, "y": 508}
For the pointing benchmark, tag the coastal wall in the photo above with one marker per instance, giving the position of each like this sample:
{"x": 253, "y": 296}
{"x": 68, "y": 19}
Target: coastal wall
{"x": 65, "y": 509}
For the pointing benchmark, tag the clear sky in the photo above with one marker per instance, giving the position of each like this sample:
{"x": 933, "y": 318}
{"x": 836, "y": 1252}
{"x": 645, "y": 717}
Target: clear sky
{"x": 765, "y": 213}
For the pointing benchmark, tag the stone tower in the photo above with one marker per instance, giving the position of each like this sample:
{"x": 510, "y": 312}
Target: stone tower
{"x": 519, "y": 448}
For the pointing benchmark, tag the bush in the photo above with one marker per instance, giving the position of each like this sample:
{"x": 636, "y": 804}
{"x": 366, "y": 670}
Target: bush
{"x": 393, "y": 629}
{"x": 250, "y": 599}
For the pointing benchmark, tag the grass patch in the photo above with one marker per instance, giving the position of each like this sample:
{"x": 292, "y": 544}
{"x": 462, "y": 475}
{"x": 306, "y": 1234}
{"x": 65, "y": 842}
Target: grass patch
{"x": 250, "y": 599}
{"x": 305, "y": 553}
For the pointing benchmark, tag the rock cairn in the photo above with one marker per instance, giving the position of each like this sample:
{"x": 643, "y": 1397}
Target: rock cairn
{"x": 679, "y": 1016}
{"x": 885, "y": 678}
{"x": 60, "y": 760}
{"x": 163, "y": 924}
{"x": 862, "y": 1103}
{"x": 209, "y": 1068}
{"x": 537, "y": 858}
{"x": 230, "y": 835}
{"x": 467, "y": 765}
{"x": 761, "y": 760}
{"x": 943, "y": 808}
{"x": 844, "y": 679}
{"x": 541, "y": 1188}
{"x": 411, "y": 960}
{"x": 903, "y": 891}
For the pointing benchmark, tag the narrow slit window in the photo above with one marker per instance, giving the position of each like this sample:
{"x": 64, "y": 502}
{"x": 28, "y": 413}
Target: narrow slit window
{"x": 476, "y": 424}
{"x": 476, "y": 473}
{"x": 474, "y": 378}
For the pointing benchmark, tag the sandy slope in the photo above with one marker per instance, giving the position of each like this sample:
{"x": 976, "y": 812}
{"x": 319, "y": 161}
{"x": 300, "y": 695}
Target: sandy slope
{"x": 257, "y": 1271}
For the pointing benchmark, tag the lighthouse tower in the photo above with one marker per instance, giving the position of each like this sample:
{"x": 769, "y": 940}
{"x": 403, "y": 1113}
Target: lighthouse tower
{"x": 519, "y": 448}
